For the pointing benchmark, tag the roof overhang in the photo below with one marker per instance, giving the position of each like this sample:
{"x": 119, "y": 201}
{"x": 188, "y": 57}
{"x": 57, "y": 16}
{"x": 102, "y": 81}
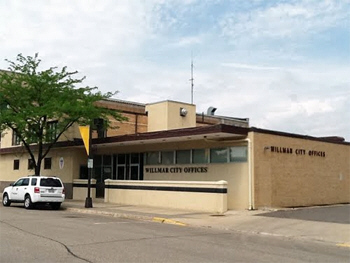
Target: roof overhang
{"x": 220, "y": 132}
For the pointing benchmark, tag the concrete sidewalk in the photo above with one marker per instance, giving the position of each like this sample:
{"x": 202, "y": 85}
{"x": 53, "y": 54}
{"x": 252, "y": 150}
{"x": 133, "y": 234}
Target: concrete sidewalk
{"x": 253, "y": 222}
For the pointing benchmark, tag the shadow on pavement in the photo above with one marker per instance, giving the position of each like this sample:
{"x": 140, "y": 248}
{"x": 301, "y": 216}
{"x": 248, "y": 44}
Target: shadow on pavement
{"x": 331, "y": 214}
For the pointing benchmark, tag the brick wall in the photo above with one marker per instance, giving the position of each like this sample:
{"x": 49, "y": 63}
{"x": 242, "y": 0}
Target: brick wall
{"x": 308, "y": 173}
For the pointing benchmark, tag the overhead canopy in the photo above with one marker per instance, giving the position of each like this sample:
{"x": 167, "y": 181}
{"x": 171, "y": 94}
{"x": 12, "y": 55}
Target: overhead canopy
{"x": 213, "y": 132}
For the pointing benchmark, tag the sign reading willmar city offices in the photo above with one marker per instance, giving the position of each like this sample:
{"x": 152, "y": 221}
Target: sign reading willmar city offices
{"x": 299, "y": 151}
{"x": 198, "y": 169}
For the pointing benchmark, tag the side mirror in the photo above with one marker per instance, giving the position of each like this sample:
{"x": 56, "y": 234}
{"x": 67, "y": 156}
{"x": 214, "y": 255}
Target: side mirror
{"x": 11, "y": 184}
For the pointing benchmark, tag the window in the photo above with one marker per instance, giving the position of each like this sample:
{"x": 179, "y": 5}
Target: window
{"x": 135, "y": 158}
{"x": 219, "y": 155}
{"x": 47, "y": 163}
{"x": 106, "y": 167}
{"x": 152, "y": 158}
{"x": 25, "y": 182}
{"x": 22, "y": 182}
{"x": 238, "y": 154}
{"x": 167, "y": 157}
{"x": 19, "y": 182}
{"x": 100, "y": 128}
{"x": 30, "y": 164}
{"x": 199, "y": 156}
{"x": 51, "y": 131}
{"x": 15, "y": 139}
{"x": 50, "y": 182}
{"x": 15, "y": 164}
{"x": 83, "y": 172}
{"x": 33, "y": 181}
{"x": 183, "y": 156}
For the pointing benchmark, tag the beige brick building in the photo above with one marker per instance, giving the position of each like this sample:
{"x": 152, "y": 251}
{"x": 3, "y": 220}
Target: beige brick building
{"x": 169, "y": 141}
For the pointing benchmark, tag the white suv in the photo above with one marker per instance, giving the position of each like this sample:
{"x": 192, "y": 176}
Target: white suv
{"x": 35, "y": 189}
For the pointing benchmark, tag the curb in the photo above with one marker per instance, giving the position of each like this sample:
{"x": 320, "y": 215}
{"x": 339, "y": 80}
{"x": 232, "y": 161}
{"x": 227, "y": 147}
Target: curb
{"x": 111, "y": 214}
{"x": 129, "y": 216}
{"x": 168, "y": 221}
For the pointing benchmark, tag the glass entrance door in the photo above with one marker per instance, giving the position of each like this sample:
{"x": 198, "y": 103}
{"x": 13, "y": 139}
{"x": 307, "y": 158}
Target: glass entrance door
{"x": 128, "y": 166}
{"x": 102, "y": 171}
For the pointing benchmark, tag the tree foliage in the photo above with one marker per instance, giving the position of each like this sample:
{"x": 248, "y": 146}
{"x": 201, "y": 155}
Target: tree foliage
{"x": 31, "y": 99}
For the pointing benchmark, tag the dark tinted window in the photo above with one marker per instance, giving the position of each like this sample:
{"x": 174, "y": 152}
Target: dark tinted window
{"x": 50, "y": 182}
{"x": 34, "y": 181}
{"x": 15, "y": 139}
{"x": 15, "y": 164}
{"x": 47, "y": 163}
{"x": 30, "y": 164}
{"x": 25, "y": 182}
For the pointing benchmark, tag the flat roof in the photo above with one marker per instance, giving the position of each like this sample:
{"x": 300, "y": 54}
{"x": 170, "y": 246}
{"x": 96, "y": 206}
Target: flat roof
{"x": 213, "y": 132}
{"x": 219, "y": 132}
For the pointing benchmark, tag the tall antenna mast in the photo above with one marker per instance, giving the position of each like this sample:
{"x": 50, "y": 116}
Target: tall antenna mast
{"x": 191, "y": 79}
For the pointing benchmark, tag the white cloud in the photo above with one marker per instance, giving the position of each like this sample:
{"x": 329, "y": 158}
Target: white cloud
{"x": 247, "y": 66}
{"x": 187, "y": 41}
{"x": 295, "y": 19}
{"x": 143, "y": 49}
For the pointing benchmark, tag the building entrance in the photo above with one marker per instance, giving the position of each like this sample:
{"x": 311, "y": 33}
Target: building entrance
{"x": 127, "y": 166}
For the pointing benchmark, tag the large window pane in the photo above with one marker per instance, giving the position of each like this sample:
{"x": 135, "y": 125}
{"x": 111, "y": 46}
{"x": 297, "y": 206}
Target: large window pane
{"x": 199, "y": 156}
{"x": 121, "y": 158}
{"x": 15, "y": 139}
{"x": 107, "y": 160}
{"x": 219, "y": 155}
{"x": 97, "y": 173}
{"x": 134, "y": 158}
{"x": 121, "y": 173}
{"x": 152, "y": 158}
{"x": 168, "y": 157}
{"x": 97, "y": 160}
{"x": 134, "y": 170}
{"x": 51, "y": 131}
{"x": 47, "y": 163}
{"x": 183, "y": 156}
{"x": 238, "y": 154}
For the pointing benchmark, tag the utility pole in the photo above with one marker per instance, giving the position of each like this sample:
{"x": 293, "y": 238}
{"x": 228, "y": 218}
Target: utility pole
{"x": 191, "y": 79}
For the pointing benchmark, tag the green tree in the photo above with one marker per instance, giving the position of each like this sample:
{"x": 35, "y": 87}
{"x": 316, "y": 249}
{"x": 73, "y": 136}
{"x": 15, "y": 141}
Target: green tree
{"x": 31, "y": 99}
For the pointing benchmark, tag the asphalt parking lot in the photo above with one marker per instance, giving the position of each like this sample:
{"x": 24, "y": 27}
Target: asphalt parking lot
{"x": 330, "y": 214}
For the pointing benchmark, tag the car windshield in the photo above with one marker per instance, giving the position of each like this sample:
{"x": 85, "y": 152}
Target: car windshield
{"x": 51, "y": 182}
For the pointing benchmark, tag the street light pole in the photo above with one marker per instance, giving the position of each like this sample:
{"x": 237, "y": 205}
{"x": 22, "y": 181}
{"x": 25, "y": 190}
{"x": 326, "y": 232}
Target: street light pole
{"x": 88, "y": 201}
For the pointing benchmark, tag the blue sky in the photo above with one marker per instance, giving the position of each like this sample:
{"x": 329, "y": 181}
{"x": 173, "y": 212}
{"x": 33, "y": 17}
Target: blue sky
{"x": 283, "y": 64}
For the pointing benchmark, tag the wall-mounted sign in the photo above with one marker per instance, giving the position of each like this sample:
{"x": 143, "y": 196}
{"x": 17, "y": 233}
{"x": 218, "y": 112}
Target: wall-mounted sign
{"x": 173, "y": 170}
{"x": 90, "y": 163}
{"x": 61, "y": 163}
{"x": 299, "y": 151}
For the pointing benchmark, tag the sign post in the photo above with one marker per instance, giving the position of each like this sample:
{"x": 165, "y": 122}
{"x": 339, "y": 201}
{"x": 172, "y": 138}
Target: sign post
{"x": 85, "y": 132}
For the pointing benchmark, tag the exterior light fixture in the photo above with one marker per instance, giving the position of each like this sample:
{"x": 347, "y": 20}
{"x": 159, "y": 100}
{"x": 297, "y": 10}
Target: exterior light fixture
{"x": 183, "y": 112}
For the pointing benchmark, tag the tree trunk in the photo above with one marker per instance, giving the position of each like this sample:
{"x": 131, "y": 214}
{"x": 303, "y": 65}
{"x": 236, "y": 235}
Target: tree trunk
{"x": 38, "y": 167}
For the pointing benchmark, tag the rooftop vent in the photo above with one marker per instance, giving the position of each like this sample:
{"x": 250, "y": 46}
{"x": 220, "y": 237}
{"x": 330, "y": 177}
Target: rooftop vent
{"x": 211, "y": 111}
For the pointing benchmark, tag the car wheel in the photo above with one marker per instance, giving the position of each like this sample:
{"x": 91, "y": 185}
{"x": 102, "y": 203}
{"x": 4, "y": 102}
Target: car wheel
{"x": 5, "y": 200}
{"x": 28, "y": 202}
{"x": 55, "y": 206}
